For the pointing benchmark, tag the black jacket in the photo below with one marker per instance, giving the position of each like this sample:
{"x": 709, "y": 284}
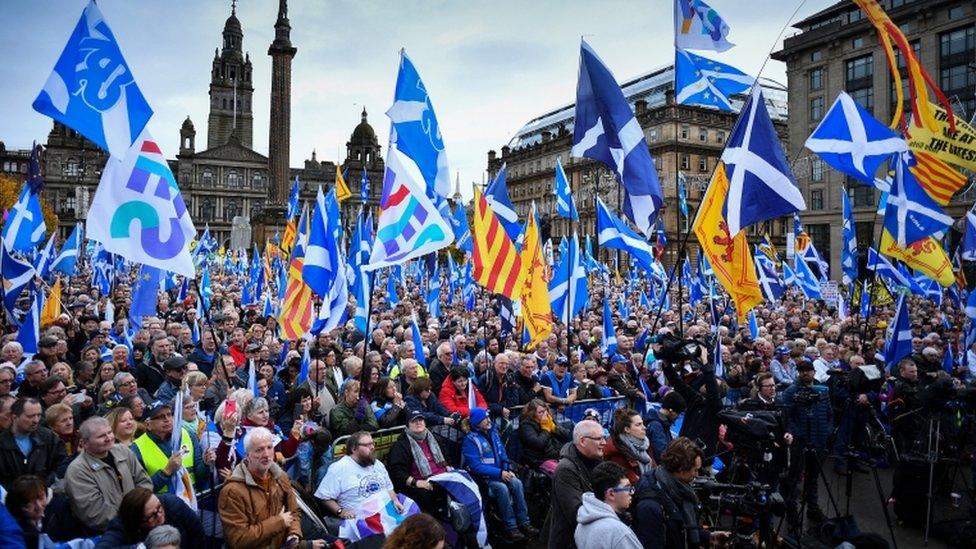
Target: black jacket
{"x": 149, "y": 375}
{"x": 45, "y": 457}
{"x": 701, "y": 416}
{"x": 539, "y": 445}
{"x": 571, "y": 479}
{"x": 434, "y": 412}
{"x": 399, "y": 461}
{"x": 437, "y": 372}
{"x": 660, "y": 524}
{"x": 178, "y": 515}
{"x": 498, "y": 395}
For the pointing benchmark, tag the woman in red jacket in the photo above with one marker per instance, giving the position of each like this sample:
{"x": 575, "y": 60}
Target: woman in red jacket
{"x": 454, "y": 392}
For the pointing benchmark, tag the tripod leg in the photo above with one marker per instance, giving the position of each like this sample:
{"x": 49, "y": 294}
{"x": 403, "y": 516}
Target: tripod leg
{"x": 884, "y": 507}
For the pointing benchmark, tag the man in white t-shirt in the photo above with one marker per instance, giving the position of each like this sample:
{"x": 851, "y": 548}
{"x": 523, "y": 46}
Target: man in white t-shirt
{"x": 355, "y": 478}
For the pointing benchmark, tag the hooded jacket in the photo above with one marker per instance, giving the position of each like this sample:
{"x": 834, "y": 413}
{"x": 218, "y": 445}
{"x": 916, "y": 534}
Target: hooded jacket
{"x": 599, "y": 526}
{"x": 569, "y": 482}
{"x": 250, "y": 516}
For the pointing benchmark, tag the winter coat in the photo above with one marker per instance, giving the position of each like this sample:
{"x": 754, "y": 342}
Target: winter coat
{"x": 434, "y": 412}
{"x": 498, "y": 395}
{"x": 484, "y": 454}
{"x": 809, "y": 423}
{"x": 454, "y": 402}
{"x": 611, "y": 452}
{"x": 539, "y": 445}
{"x": 250, "y": 516}
{"x": 178, "y": 515}
{"x": 343, "y": 421}
{"x": 570, "y": 481}
{"x": 93, "y": 487}
{"x": 701, "y": 416}
{"x": 46, "y": 455}
{"x": 599, "y": 527}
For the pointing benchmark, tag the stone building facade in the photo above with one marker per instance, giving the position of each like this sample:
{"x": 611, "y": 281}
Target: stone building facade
{"x": 837, "y": 49}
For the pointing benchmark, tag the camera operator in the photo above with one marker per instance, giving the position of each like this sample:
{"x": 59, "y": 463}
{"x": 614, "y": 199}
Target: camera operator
{"x": 854, "y": 391}
{"x": 809, "y": 419}
{"x": 665, "y": 508}
{"x": 764, "y": 400}
{"x": 701, "y": 395}
{"x": 903, "y": 404}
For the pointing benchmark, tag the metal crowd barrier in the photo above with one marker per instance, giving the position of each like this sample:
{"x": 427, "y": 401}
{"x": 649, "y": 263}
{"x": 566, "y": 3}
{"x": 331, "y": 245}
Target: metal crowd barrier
{"x": 383, "y": 438}
{"x": 574, "y": 412}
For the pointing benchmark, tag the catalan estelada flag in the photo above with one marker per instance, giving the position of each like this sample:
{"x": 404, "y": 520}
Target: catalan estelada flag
{"x": 938, "y": 178}
{"x": 536, "y": 308}
{"x": 730, "y": 258}
{"x": 296, "y": 309}
{"x": 497, "y": 265}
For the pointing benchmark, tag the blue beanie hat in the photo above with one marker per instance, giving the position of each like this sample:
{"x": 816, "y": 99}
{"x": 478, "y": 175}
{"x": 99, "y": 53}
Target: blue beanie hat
{"x": 477, "y": 416}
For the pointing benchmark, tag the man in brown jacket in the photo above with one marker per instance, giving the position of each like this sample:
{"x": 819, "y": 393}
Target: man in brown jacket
{"x": 257, "y": 504}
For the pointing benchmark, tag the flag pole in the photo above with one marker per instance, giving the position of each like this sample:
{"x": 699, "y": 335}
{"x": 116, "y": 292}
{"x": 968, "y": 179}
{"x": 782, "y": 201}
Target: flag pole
{"x": 667, "y": 287}
{"x": 364, "y": 373}
{"x": 213, "y": 333}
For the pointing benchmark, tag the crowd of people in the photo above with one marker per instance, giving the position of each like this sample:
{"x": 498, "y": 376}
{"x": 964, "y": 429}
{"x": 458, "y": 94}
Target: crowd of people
{"x": 566, "y": 442}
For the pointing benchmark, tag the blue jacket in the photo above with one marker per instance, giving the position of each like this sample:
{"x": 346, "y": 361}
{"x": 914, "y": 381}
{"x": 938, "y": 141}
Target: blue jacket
{"x": 658, "y": 432}
{"x": 809, "y": 423}
{"x": 483, "y": 454}
{"x": 434, "y": 412}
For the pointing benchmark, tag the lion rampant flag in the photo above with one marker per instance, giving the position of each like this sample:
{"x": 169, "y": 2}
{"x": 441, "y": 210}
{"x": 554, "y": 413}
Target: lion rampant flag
{"x": 342, "y": 190}
{"x": 730, "y": 258}
{"x": 536, "y": 308}
{"x": 925, "y": 256}
{"x": 52, "y": 307}
{"x": 497, "y": 265}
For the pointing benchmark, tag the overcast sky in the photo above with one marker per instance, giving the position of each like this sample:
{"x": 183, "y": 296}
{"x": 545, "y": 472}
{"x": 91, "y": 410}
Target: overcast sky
{"x": 489, "y": 66}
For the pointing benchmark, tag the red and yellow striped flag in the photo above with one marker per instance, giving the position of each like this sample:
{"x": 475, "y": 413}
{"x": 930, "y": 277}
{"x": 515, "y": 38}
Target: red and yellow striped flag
{"x": 938, "y": 179}
{"x": 288, "y": 239}
{"x": 296, "y": 309}
{"x": 497, "y": 265}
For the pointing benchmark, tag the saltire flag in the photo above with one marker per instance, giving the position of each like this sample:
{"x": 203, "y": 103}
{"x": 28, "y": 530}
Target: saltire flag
{"x": 607, "y": 131}
{"x": 68, "y": 257}
{"x": 613, "y": 232}
{"x": 42, "y": 263}
{"x": 565, "y": 204}
{"x": 609, "y": 343}
{"x": 727, "y": 253}
{"x": 24, "y": 227}
{"x": 497, "y": 264}
{"x": 698, "y": 27}
{"x": 925, "y": 256}
{"x": 462, "y": 232}
{"x": 464, "y": 490}
{"x": 322, "y": 265}
{"x": 145, "y": 292}
{"x": 293, "y": 200}
{"x": 409, "y": 225}
{"x": 362, "y": 293}
{"x": 808, "y": 282}
{"x": 433, "y": 296}
{"x": 769, "y": 281}
{"x": 536, "y": 309}
{"x": 92, "y": 89}
{"x": 418, "y": 341}
{"x": 702, "y": 81}
{"x": 335, "y": 305}
{"x": 766, "y": 247}
{"x": 182, "y": 486}
{"x": 968, "y": 246}
{"x": 138, "y": 212}
{"x": 849, "y": 258}
{"x": 761, "y": 184}
{"x": 497, "y": 196}
{"x": 568, "y": 289}
{"x": 899, "y": 344}
{"x": 506, "y": 314}
{"x": 753, "y": 324}
{"x": 30, "y": 330}
{"x": 341, "y": 188}
{"x": 417, "y": 135}
{"x": 883, "y": 268}
{"x": 911, "y": 214}
{"x": 682, "y": 194}
{"x": 392, "y": 297}
{"x": 850, "y": 140}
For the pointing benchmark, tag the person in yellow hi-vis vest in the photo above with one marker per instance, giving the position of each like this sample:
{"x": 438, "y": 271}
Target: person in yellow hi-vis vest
{"x": 158, "y": 457}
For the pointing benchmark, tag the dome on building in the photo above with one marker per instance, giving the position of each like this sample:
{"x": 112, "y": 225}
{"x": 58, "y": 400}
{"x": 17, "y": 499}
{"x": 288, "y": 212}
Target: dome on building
{"x": 187, "y": 124}
{"x": 363, "y": 132}
{"x": 233, "y": 24}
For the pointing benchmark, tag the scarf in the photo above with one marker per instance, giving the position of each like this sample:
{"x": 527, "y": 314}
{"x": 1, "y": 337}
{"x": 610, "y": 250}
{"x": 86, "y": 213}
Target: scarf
{"x": 637, "y": 448}
{"x": 548, "y": 424}
{"x": 418, "y": 454}
{"x": 686, "y": 498}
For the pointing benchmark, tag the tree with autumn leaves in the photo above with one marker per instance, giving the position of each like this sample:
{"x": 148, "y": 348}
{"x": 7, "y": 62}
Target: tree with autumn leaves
{"x": 9, "y": 192}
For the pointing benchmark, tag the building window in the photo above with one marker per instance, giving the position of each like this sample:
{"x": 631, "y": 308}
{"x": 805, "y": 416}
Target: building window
{"x": 816, "y": 170}
{"x": 685, "y": 162}
{"x": 955, "y": 13}
{"x": 860, "y": 76}
{"x": 257, "y": 181}
{"x": 855, "y": 15}
{"x": 231, "y": 210}
{"x": 233, "y": 179}
{"x": 957, "y": 76}
{"x": 862, "y": 196}
{"x": 703, "y": 164}
{"x": 72, "y": 168}
{"x": 720, "y": 136}
{"x": 208, "y": 178}
{"x": 864, "y": 96}
{"x": 71, "y": 202}
{"x": 206, "y": 210}
{"x": 816, "y": 79}
{"x": 685, "y": 131}
{"x": 816, "y": 56}
{"x": 816, "y": 109}
{"x": 703, "y": 135}
{"x": 857, "y": 42}
{"x": 816, "y": 199}
{"x": 652, "y": 134}
{"x": 864, "y": 233}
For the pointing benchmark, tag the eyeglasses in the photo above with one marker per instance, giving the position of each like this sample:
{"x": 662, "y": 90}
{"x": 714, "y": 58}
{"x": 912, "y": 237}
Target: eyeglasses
{"x": 595, "y": 439}
{"x": 155, "y": 514}
{"x": 767, "y": 385}
{"x": 627, "y": 489}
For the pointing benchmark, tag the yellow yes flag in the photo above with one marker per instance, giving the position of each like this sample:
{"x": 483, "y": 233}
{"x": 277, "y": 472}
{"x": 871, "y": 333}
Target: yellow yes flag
{"x": 342, "y": 190}
{"x": 730, "y": 258}
{"x": 925, "y": 256}
{"x": 536, "y": 309}
{"x": 52, "y": 307}
{"x": 953, "y": 146}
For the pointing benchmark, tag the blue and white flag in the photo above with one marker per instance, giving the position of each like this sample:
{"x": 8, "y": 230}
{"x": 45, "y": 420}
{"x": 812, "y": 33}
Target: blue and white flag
{"x": 682, "y": 194}
{"x": 614, "y": 233}
{"x": 68, "y": 257}
{"x": 506, "y": 313}
{"x": 292, "y": 201}
{"x": 434, "y": 293}
{"x": 145, "y": 293}
{"x": 464, "y": 490}
{"x": 753, "y": 324}
{"x": 761, "y": 184}
{"x": 609, "y": 343}
{"x": 850, "y": 140}
{"x": 92, "y": 89}
{"x": 416, "y": 132}
{"x": 363, "y": 288}
{"x": 698, "y": 27}
{"x": 322, "y": 265}
{"x": 138, "y": 212}
{"x": 769, "y": 281}
{"x": 899, "y": 344}
{"x": 568, "y": 290}
{"x": 497, "y": 196}
{"x": 42, "y": 263}
{"x": 418, "y": 340}
{"x": 606, "y": 130}
{"x": 565, "y": 205}
{"x": 24, "y": 228}
{"x": 808, "y": 282}
{"x": 849, "y": 250}
{"x": 883, "y": 268}
{"x": 912, "y": 214}
{"x": 335, "y": 304}
{"x": 182, "y": 486}
{"x": 968, "y": 246}
{"x": 462, "y": 231}
{"x": 17, "y": 273}
{"x": 30, "y": 330}
{"x": 364, "y": 186}
{"x": 702, "y": 81}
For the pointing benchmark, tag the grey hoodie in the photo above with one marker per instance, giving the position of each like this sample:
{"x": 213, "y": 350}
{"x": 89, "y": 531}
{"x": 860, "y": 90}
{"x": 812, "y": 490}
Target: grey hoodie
{"x": 599, "y": 527}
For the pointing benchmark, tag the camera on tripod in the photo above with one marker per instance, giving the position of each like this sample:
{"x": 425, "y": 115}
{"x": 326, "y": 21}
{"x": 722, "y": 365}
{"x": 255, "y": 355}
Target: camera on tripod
{"x": 808, "y": 396}
{"x": 676, "y": 350}
{"x": 749, "y": 499}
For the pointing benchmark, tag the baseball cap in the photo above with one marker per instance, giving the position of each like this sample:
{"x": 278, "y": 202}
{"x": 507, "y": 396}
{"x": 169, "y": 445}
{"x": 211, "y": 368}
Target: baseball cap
{"x": 782, "y": 350}
{"x": 175, "y": 363}
{"x": 618, "y": 358}
{"x": 156, "y": 407}
{"x": 415, "y": 415}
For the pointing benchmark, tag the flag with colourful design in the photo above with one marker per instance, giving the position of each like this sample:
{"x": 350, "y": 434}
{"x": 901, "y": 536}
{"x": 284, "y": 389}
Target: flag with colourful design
{"x": 139, "y": 213}
{"x": 409, "y": 225}
{"x": 377, "y": 516}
